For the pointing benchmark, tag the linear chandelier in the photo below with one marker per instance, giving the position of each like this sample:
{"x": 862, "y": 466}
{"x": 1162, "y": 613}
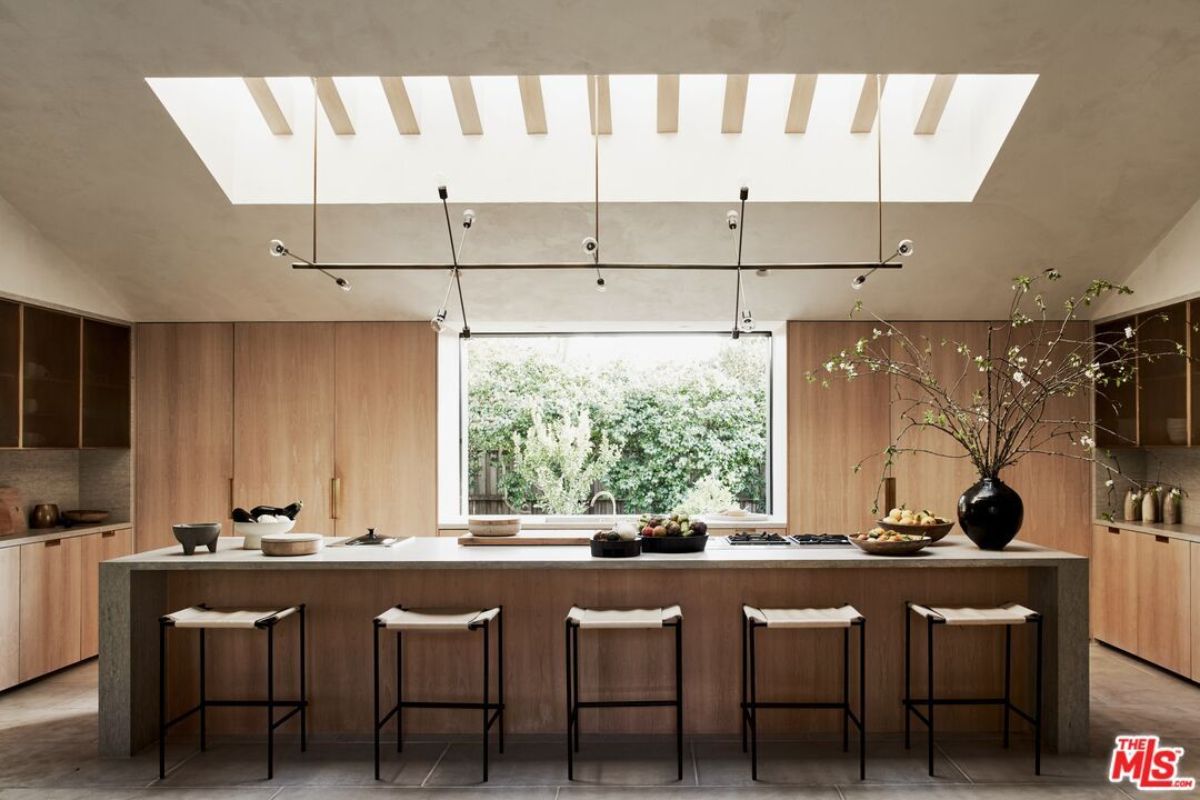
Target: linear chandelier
{"x": 743, "y": 320}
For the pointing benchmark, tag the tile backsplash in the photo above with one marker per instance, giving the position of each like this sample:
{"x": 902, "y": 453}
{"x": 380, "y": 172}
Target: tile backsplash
{"x": 1167, "y": 466}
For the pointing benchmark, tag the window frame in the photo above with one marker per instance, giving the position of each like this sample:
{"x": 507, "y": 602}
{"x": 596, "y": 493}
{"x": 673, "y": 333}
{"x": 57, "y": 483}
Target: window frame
{"x": 452, "y": 483}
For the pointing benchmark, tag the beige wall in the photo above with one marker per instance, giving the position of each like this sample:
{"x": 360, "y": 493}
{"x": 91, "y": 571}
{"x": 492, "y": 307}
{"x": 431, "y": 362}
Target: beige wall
{"x": 34, "y": 269}
{"x": 1171, "y": 271}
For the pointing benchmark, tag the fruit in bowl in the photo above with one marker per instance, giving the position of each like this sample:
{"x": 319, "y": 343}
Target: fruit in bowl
{"x": 657, "y": 526}
{"x": 920, "y": 522}
{"x": 881, "y": 541}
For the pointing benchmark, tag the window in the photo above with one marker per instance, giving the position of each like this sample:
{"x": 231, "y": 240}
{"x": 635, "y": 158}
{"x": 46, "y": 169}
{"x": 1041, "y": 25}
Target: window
{"x": 565, "y": 424}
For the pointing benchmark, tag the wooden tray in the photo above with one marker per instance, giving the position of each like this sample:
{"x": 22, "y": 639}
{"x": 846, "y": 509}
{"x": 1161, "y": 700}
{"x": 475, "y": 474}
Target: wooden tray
{"x": 534, "y": 538}
{"x": 291, "y": 544}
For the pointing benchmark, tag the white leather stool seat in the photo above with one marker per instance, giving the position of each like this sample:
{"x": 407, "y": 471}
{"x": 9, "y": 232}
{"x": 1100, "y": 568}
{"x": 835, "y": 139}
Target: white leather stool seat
{"x": 1007, "y": 614}
{"x": 435, "y": 619}
{"x": 198, "y": 617}
{"x": 842, "y": 617}
{"x": 629, "y": 619}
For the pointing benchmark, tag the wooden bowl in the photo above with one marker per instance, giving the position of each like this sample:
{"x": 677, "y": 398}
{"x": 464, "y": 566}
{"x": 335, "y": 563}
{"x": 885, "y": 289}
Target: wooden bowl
{"x": 80, "y": 516}
{"x": 877, "y": 548}
{"x": 494, "y": 525}
{"x": 292, "y": 544}
{"x": 934, "y": 532}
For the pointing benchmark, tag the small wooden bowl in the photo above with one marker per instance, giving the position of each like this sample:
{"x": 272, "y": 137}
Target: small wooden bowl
{"x": 934, "y": 532}
{"x": 292, "y": 544}
{"x": 877, "y": 548}
{"x": 80, "y": 516}
{"x": 494, "y": 525}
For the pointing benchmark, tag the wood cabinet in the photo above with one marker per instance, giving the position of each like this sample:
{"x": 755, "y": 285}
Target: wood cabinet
{"x": 51, "y": 582}
{"x": 1164, "y": 602}
{"x": 106, "y": 355}
{"x": 10, "y": 371}
{"x": 1114, "y": 582}
{"x": 386, "y": 452}
{"x": 184, "y": 443}
{"x": 50, "y": 398}
{"x": 94, "y": 548}
{"x": 283, "y": 418}
{"x": 1163, "y": 377}
{"x": 10, "y": 616}
{"x": 1196, "y": 611}
{"x": 1116, "y": 404}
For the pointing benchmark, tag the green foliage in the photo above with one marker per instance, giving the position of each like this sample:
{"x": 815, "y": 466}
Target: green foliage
{"x": 559, "y": 461}
{"x": 669, "y": 427}
{"x": 707, "y": 496}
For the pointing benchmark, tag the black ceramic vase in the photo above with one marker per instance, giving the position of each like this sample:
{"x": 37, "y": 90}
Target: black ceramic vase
{"x": 990, "y": 513}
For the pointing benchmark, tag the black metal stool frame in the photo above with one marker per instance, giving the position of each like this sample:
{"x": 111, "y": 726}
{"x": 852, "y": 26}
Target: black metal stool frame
{"x": 574, "y": 703}
{"x": 297, "y": 706}
{"x": 751, "y": 703}
{"x": 493, "y": 713}
{"x": 930, "y": 701}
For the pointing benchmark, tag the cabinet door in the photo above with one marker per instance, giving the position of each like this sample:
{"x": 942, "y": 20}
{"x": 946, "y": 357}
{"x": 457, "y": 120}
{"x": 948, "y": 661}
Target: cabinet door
{"x": 96, "y": 548}
{"x": 1162, "y": 377}
{"x": 1116, "y": 406}
{"x": 1114, "y": 587}
{"x": 51, "y": 366}
{"x": 50, "y": 589}
{"x": 184, "y": 443}
{"x": 105, "y": 384}
{"x": 1195, "y": 577}
{"x": 10, "y": 368}
{"x": 1164, "y": 602}
{"x": 283, "y": 418}
{"x": 10, "y": 616}
{"x": 386, "y": 428}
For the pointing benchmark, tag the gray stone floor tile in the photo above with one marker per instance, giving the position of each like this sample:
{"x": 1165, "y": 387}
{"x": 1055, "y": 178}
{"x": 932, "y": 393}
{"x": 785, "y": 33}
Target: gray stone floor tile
{"x": 819, "y": 764}
{"x": 629, "y": 763}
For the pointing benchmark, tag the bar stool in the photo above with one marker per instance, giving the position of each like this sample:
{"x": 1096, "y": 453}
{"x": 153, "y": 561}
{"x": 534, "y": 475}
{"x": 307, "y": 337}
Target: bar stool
{"x": 1007, "y": 615}
{"x": 844, "y": 617}
{"x": 203, "y": 618}
{"x": 620, "y": 619}
{"x": 400, "y": 619}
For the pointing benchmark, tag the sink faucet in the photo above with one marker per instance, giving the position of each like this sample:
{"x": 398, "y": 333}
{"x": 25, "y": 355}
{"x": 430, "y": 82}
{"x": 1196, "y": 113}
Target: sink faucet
{"x": 604, "y": 493}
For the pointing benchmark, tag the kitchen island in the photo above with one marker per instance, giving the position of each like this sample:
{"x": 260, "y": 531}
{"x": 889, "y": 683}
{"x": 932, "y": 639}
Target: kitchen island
{"x": 345, "y": 587}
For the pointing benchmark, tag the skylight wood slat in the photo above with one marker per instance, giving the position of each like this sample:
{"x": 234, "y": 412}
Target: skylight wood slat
{"x": 602, "y": 106}
{"x": 800, "y": 106}
{"x": 335, "y": 109}
{"x": 401, "y": 105}
{"x": 465, "y": 105}
{"x": 668, "y": 104}
{"x": 532, "y": 103}
{"x": 935, "y": 105}
{"x": 868, "y": 104}
{"x": 268, "y": 106}
{"x": 734, "y": 112}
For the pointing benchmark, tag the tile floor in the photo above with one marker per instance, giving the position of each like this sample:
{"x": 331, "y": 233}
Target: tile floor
{"x": 48, "y": 752}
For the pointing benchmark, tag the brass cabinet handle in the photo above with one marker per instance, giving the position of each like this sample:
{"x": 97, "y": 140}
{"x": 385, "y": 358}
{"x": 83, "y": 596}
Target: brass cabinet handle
{"x": 335, "y": 497}
{"x": 230, "y": 505}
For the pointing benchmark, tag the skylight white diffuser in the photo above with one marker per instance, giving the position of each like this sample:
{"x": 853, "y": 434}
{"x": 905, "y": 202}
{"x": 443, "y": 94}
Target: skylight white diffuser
{"x": 505, "y": 164}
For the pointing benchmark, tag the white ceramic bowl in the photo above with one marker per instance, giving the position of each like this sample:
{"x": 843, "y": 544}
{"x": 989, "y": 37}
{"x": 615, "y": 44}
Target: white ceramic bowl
{"x": 252, "y": 532}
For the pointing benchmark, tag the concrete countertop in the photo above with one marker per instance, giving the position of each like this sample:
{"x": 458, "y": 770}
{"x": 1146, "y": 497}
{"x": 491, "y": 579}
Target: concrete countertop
{"x": 1189, "y": 533}
{"x": 34, "y": 535}
{"x": 445, "y": 553}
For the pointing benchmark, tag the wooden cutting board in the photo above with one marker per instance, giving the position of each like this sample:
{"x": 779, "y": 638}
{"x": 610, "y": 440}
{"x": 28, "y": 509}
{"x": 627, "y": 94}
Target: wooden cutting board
{"x": 12, "y": 511}
{"x": 528, "y": 538}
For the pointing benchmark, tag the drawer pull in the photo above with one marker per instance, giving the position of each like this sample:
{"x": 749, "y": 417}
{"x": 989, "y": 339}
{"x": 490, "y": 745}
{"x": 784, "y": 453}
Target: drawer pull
{"x": 53, "y": 542}
{"x": 1163, "y": 539}
{"x": 108, "y": 534}
{"x": 1117, "y": 531}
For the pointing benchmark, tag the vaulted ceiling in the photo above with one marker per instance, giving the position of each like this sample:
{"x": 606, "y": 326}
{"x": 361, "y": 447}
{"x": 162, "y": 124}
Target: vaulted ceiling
{"x": 1101, "y": 161}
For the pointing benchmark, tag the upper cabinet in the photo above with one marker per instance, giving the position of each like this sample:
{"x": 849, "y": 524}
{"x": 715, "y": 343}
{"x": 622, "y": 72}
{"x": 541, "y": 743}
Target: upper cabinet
{"x": 64, "y": 380}
{"x": 105, "y": 384}
{"x": 50, "y": 400}
{"x": 10, "y": 371}
{"x": 1159, "y": 407}
{"x": 1163, "y": 377}
{"x": 1116, "y": 406}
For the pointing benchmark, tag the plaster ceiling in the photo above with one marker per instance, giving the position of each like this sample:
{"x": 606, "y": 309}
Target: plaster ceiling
{"x": 1102, "y": 160}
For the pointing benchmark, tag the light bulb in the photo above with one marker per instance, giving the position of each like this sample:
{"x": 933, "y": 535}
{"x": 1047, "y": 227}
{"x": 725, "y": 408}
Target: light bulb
{"x": 857, "y": 283}
{"x": 600, "y": 286}
{"x": 278, "y": 248}
{"x": 439, "y": 320}
{"x": 746, "y": 324}
{"x": 343, "y": 284}
{"x": 468, "y": 218}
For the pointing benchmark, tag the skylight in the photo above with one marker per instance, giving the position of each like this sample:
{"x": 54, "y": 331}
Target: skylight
{"x": 505, "y": 163}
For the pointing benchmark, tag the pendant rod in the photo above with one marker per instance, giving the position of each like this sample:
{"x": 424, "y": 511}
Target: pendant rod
{"x": 615, "y": 265}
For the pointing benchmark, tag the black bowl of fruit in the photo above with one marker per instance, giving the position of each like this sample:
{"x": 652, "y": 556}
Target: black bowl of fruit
{"x": 676, "y": 533}
{"x": 619, "y": 542}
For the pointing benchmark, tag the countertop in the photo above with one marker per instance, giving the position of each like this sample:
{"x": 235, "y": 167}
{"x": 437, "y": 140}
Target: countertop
{"x": 42, "y": 534}
{"x": 1189, "y": 533}
{"x": 445, "y": 553}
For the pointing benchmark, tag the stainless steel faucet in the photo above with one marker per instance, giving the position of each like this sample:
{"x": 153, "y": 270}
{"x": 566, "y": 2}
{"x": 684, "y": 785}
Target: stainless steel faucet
{"x": 604, "y": 493}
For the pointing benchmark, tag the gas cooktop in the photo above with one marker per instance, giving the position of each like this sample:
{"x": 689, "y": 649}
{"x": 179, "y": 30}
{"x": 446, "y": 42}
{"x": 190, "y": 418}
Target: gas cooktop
{"x": 768, "y": 538}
